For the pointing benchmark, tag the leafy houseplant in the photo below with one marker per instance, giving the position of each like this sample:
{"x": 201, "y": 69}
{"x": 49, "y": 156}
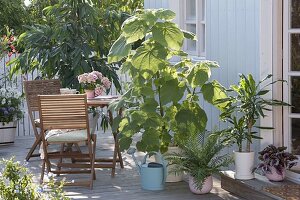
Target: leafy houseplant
{"x": 17, "y": 183}
{"x": 200, "y": 159}
{"x": 245, "y": 105}
{"x": 163, "y": 98}
{"x": 275, "y": 161}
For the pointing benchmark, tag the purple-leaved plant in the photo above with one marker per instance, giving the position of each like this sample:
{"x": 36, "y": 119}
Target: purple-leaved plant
{"x": 275, "y": 157}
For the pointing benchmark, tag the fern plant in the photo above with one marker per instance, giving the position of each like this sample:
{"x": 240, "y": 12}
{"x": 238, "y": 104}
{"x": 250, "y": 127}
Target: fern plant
{"x": 200, "y": 157}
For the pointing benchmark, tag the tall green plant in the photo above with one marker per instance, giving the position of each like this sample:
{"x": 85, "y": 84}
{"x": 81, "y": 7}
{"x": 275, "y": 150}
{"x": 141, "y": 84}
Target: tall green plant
{"x": 200, "y": 157}
{"x": 74, "y": 38}
{"x": 163, "y": 99}
{"x": 245, "y": 105}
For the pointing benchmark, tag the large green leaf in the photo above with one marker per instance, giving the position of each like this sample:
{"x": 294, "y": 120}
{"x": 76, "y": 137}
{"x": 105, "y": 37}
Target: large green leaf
{"x": 163, "y": 14}
{"x": 198, "y": 75}
{"x": 119, "y": 50}
{"x": 170, "y": 91}
{"x": 134, "y": 29}
{"x": 191, "y": 119}
{"x": 150, "y": 105}
{"x": 149, "y": 57}
{"x": 168, "y": 34}
{"x": 213, "y": 91}
{"x": 189, "y": 35}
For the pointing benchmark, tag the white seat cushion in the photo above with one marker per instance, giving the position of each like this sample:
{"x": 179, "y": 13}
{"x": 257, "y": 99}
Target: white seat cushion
{"x": 66, "y": 136}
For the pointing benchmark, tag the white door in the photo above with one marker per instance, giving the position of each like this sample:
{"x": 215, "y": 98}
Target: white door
{"x": 291, "y": 73}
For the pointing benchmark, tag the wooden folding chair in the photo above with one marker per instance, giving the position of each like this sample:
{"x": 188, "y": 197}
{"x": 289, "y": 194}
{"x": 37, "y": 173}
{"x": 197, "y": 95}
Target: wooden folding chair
{"x": 64, "y": 121}
{"x": 32, "y": 89}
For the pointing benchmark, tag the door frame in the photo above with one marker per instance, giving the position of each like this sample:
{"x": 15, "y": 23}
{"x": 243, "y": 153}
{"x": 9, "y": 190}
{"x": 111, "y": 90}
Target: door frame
{"x": 271, "y": 35}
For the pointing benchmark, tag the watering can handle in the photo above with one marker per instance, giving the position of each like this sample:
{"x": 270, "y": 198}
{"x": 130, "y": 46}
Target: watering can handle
{"x": 161, "y": 160}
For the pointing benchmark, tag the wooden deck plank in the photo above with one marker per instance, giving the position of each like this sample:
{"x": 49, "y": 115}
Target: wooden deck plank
{"x": 125, "y": 184}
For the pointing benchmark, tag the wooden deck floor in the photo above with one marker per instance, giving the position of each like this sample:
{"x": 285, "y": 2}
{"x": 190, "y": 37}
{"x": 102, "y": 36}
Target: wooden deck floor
{"x": 125, "y": 185}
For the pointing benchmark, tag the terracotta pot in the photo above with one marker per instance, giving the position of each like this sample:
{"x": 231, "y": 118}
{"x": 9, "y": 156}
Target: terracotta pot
{"x": 206, "y": 187}
{"x": 90, "y": 93}
{"x": 274, "y": 176}
{"x": 244, "y": 162}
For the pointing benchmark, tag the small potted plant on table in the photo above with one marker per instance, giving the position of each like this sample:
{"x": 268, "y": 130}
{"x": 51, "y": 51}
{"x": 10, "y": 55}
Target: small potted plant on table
{"x": 200, "y": 159}
{"x": 275, "y": 162}
{"x": 10, "y": 112}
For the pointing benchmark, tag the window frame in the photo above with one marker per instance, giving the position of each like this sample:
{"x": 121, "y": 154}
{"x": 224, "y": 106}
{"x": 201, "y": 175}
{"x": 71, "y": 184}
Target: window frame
{"x": 199, "y": 22}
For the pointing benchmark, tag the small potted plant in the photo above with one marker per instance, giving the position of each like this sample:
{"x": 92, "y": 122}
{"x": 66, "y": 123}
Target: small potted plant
{"x": 200, "y": 158}
{"x": 275, "y": 162}
{"x": 245, "y": 106}
{"x": 94, "y": 83}
{"x": 10, "y": 112}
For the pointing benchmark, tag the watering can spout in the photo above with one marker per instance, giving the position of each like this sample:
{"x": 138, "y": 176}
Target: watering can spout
{"x": 131, "y": 152}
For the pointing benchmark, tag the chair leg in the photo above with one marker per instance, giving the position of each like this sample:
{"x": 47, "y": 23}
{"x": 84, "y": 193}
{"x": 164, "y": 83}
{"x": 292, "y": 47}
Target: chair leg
{"x": 94, "y": 155}
{"x": 117, "y": 148}
{"x": 43, "y": 171}
{"x": 60, "y": 159}
{"x": 37, "y": 142}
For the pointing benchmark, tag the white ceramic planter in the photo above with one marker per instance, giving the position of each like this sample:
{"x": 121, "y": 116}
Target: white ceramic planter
{"x": 171, "y": 177}
{"x": 244, "y": 162}
{"x": 206, "y": 187}
{"x": 8, "y": 132}
{"x": 274, "y": 176}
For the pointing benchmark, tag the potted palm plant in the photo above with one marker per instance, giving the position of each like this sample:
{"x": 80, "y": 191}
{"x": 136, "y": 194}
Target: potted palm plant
{"x": 245, "y": 105}
{"x": 200, "y": 158}
{"x": 275, "y": 162}
{"x": 10, "y": 112}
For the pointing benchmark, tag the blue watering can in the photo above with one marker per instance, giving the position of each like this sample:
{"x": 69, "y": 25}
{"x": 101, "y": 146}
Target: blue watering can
{"x": 153, "y": 175}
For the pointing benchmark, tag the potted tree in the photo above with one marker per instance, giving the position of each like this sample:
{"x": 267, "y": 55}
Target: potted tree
{"x": 200, "y": 158}
{"x": 10, "y": 112}
{"x": 275, "y": 162}
{"x": 162, "y": 102}
{"x": 245, "y": 105}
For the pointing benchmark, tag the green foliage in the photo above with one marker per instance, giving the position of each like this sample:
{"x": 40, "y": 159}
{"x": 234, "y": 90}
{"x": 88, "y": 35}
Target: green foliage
{"x": 245, "y": 104}
{"x": 16, "y": 183}
{"x": 163, "y": 99}
{"x": 200, "y": 157}
{"x": 12, "y": 14}
{"x": 73, "y": 38}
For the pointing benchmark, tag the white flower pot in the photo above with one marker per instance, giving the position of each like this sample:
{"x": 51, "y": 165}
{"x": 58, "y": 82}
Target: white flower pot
{"x": 206, "y": 187}
{"x": 171, "y": 177}
{"x": 244, "y": 162}
{"x": 8, "y": 132}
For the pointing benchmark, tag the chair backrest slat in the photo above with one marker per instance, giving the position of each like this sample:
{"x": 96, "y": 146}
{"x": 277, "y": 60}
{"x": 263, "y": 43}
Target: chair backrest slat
{"x": 63, "y": 111}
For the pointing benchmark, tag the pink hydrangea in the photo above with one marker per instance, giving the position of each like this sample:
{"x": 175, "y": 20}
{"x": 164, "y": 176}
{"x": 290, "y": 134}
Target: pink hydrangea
{"x": 98, "y": 74}
{"x": 94, "y": 80}
{"x": 106, "y": 82}
{"x": 99, "y": 90}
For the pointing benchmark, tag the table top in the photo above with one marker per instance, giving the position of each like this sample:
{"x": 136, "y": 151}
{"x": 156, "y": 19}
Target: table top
{"x": 102, "y": 100}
